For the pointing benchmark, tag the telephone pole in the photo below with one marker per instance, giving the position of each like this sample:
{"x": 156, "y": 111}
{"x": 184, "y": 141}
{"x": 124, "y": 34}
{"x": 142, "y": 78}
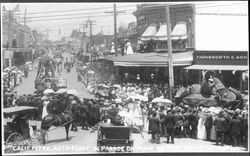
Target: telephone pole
{"x": 170, "y": 57}
{"x": 115, "y": 27}
{"x": 91, "y": 23}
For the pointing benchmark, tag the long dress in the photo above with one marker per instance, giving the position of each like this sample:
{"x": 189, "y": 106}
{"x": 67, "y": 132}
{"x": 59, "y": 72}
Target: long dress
{"x": 45, "y": 113}
{"x": 201, "y": 134}
{"x": 129, "y": 49}
{"x": 112, "y": 49}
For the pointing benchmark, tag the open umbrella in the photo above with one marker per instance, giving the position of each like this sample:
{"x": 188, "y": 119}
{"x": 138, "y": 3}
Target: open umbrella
{"x": 161, "y": 100}
{"x": 72, "y": 91}
{"x": 48, "y": 91}
{"x": 7, "y": 69}
{"x": 139, "y": 97}
{"x": 91, "y": 72}
{"x": 117, "y": 86}
{"x": 62, "y": 90}
{"x": 14, "y": 72}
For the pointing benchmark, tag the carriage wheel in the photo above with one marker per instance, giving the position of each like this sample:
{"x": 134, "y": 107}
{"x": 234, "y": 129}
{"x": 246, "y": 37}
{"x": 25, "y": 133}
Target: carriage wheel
{"x": 41, "y": 136}
{"x": 12, "y": 142}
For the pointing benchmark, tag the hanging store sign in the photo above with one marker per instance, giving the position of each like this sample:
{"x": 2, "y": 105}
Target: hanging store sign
{"x": 220, "y": 57}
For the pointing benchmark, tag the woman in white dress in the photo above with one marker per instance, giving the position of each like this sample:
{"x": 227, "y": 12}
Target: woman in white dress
{"x": 129, "y": 49}
{"x": 45, "y": 103}
{"x": 112, "y": 48}
{"x": 201, "y": 127}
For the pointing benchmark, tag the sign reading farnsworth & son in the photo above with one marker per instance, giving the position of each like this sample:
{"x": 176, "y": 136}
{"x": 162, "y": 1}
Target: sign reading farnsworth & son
{"x": 220, "y": 57}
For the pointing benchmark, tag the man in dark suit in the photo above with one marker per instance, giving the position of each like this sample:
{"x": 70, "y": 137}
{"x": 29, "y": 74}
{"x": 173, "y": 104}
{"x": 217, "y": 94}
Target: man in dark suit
{"x": 169, "y": 124}
{"x": 220, "y": 127}
{"x": 235, "y": 127}
{"x": 208, "y": 125}
{"x": 193, "y": 120}
{"x": 179, "y": 118}
{"x": 155, "y": 127}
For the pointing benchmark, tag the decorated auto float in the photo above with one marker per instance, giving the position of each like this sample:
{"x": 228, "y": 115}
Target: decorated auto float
{"x": 210, "y": 93}
{"x": 46, "y": 76}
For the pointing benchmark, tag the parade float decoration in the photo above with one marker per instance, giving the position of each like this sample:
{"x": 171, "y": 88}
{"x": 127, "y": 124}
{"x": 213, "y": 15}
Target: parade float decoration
{"x": 45, "y": 78}
{"x": 211, "y": 92}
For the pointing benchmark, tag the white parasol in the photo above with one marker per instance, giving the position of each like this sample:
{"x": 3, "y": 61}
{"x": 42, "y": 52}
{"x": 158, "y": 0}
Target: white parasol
{"x": 118, "y": 100}
{"x": 62, "y": 90}
{"x": 117, "y": 86}
{"x": 72, "y": 91}
{"x": 161, "y": 100}
{"x": 14, "y": 71}
{"x": 139, "y": 97}
{"x": 91, "y": 72}
{"x": 48, "y": 91}
{"x": 7, "y": 69}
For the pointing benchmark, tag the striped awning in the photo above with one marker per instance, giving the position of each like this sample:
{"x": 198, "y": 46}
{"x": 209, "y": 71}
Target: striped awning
{"x": 150, "y": 32}
{"x": 180, "y": 31}
{"x": 162, "y": 33}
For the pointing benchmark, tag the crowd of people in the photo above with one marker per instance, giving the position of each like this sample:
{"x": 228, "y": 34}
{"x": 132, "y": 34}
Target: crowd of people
{"x": 134, "y": 104}
{"x": 218, "y": 124}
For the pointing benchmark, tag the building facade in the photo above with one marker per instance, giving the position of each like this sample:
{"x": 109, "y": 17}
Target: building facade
{"x": 147, "y": 14}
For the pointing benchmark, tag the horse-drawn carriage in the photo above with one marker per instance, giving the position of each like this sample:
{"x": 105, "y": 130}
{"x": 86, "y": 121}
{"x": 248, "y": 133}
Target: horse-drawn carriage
{"x": 21, "y": 130}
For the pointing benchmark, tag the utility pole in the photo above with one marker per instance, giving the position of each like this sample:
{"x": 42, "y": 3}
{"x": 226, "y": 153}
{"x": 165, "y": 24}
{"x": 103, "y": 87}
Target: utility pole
{"x": 91, "y": 23}
{"x": 170, "y": 57}
{"x": 10, "y": 29}
{"x": 115, "y": 30}
{"x": 115, "y": 27}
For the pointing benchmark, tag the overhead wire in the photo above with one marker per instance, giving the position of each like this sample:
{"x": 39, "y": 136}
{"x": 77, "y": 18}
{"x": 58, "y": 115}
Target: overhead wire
{"x": 232, "y": 4}
{"x": 155, "y": 11}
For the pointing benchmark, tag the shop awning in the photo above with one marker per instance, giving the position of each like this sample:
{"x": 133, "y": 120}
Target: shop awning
{"x": 150, "y": 32}
{"x": 218, "y": 67}
{"x": 151, "y": 59}
{"x": 162, "y": 33}
{"x": 179, "y": 31}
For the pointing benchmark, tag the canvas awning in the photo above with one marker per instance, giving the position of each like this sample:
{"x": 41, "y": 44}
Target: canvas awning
{"x": 150, "y": 32}
{"x": 162, "y": 33}
{"x": 218, "y": 67}
{"x": 179, "y": 31}
{"x": 151, "y": 59}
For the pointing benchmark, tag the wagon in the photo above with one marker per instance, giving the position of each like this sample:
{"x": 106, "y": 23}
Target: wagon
{"x": 115, "y": 138}
{"x": 20, "y": 130}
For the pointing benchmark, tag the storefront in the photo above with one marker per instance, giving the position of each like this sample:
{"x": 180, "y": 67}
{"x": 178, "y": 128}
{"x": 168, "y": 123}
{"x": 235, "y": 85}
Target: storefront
{"x": 146, "y": 64}
{"x": 229, "y": 66}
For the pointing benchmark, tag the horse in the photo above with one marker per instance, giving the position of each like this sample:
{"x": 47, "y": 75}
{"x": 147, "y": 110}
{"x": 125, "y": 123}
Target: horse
{"x": 63, "y": 119}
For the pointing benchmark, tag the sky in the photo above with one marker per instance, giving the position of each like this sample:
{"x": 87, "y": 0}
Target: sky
{"x": 98, "y": 12}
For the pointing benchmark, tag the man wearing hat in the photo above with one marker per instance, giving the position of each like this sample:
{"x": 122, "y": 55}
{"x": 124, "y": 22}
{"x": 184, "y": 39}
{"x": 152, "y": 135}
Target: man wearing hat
{"x": 208, "y": 124}
{"x": 169, "y": 124}
{"x": 154, "y": 122}
{"x": 220, "y": 127}
{"x": 235, "y": 127}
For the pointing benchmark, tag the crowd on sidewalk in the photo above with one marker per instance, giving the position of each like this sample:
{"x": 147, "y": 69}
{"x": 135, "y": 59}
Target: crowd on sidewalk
{"x": 217, "y": 124}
